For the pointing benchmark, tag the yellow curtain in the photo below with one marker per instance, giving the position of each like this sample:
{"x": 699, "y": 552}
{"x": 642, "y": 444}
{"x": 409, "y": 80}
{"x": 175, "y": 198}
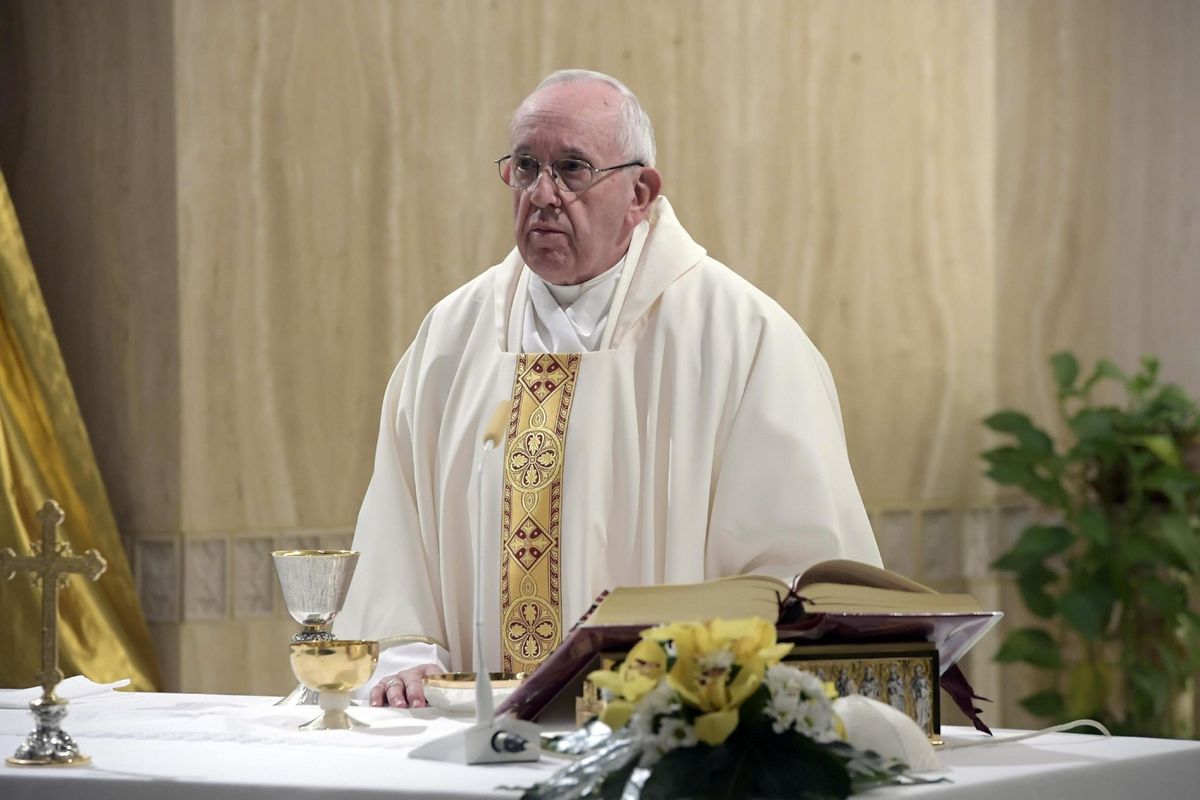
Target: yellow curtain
{"x": 45, "y": 453}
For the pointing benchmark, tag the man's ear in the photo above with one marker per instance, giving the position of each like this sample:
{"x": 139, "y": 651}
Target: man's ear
{"x": 645, "y": 191}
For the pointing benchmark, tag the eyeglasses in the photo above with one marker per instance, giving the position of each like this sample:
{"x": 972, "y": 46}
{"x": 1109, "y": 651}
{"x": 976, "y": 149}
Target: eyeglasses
{"x": 572, "y": 175}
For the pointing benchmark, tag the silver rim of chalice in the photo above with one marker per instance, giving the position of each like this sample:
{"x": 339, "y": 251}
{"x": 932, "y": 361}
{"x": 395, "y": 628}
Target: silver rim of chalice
{"x": 314, "y": 585}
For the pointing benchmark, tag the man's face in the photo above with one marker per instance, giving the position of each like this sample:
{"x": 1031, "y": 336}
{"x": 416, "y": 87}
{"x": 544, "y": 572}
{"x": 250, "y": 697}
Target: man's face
{"x": 570, "y": 238}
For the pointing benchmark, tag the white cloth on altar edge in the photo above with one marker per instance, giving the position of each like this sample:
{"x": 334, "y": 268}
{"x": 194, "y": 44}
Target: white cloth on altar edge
{"x": 75, "y": 689}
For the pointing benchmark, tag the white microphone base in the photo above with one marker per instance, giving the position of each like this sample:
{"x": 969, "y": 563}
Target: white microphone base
{"x": 482, "y": 743}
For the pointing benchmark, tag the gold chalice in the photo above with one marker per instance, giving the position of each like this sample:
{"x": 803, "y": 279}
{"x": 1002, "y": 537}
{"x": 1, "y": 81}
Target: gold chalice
{"x": 334, "y": 668}
{"x": 314, "y": 584}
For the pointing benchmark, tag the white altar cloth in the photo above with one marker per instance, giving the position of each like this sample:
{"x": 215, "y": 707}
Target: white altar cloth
{"x": 178, "y": 746}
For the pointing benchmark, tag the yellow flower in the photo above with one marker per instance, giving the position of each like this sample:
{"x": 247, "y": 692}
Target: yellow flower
{"x": 715, "y": 727}
{"x": 640, "y": 672}
{"x": 718, "y": 665}
{"x": 752, "y": 638}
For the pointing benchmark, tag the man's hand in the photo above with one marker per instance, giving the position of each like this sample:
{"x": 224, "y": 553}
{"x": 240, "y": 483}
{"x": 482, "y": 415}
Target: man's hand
{"x": 404, "y": 689}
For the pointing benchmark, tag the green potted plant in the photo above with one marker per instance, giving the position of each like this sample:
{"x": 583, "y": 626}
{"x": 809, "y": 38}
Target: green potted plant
{"x": 1111, "y": 577}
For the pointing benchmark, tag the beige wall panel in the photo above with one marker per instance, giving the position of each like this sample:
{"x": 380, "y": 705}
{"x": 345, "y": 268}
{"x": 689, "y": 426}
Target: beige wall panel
{"x": 1053, "y": 277}
{"x": 1156, "y": 178}
{"x": 838, "y": 155}
{"x": 1053, "y": 183}
{"x": 335, "y": 183}
{"x": 242, "y": 656}
{"x": 87, "y": 147}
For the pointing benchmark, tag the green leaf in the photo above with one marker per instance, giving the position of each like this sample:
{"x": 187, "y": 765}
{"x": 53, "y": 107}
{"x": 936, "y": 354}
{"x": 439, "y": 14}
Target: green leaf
{"x": 1150, "y": 368}
{"x": 1031, "y": 438}
{"x": 1089, "y": 610}
{"x": 1183, "y": 539}
{"x": 1087, "y": 689}
{"x": 1091, "y": 424}
{"x": 1176, "y": 484}
{"x": 1066, "y": 370}
{"x": 1048, "y": 703}
{"x": 1032, "y": 584}
{"x": 1031, "y": 646}
{"x": 790, "y": 765}
{"x": 1104, "y": 369}
{"x": 1109, "y": 370}
{"x": 1166, "y": 598}
{"x": 1037, "y": 543}
{"x": 1135, "y": 551}
{"x": 1162, "y": 446}
{"x": 1093, "y": 524}
{"x": 1145, "y": 378}
{"x": 1036, "y": 473}
{"x": 1150, "y": 691}
{"x": 687, "y": 772}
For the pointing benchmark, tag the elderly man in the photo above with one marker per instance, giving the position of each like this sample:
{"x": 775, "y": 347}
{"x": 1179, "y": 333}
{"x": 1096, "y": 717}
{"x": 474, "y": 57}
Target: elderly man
{"x": 663, "y": 420}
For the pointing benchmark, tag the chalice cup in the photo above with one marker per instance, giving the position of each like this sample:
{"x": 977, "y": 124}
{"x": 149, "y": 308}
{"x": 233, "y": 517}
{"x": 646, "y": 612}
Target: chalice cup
{"x": 334, "y": 668}
{"x": 314, "y": 584}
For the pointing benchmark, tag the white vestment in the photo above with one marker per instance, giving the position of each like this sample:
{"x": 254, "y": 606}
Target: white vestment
{"x": 704, "y": 440}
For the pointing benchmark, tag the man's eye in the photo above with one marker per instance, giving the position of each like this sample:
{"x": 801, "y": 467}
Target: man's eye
{"x": 525, "y": 164}
{"x": 570, "y": 166}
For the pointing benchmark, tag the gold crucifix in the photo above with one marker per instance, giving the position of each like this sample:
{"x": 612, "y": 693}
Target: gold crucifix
{"x": 52, "y": 563}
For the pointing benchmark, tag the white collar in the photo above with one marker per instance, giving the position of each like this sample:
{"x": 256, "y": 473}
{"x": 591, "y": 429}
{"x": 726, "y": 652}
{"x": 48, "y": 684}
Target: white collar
{"x": 569, "y": 319}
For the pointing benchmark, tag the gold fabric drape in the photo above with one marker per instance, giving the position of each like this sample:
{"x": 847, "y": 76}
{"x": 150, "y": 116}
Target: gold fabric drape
{"x": 45, "y": 453}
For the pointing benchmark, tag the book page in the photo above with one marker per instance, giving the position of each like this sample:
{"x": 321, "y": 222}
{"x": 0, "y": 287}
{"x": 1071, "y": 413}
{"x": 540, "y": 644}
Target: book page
{"x": 833, "y": 597}
{"x": 725, "y": 598}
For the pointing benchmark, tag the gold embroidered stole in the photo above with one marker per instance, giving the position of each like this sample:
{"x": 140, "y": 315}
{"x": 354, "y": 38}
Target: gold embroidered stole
{"x": 531, "y": 512}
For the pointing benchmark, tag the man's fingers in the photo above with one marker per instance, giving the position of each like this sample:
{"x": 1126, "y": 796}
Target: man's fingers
{"x": 404, "y": 689}
{"x": 415, "y": 690}
{"x": 396, "y": 697}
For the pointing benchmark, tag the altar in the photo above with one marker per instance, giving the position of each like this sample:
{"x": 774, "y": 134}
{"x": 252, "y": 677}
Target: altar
{"x": 185, "y": 746}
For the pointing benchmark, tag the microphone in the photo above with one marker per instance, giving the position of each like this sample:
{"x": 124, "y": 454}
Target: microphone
{"x": 488, "y": 741}
{"x": 493, "y": 435}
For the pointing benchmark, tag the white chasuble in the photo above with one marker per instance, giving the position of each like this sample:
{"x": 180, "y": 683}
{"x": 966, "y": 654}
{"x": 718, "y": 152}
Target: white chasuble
{"x": 704, "y": 439}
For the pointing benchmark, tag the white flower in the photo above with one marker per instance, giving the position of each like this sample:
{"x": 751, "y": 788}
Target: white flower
{"x": 658, "y": 724}
{"x": 674, "y": 732}
{"x": 798, "y": 702}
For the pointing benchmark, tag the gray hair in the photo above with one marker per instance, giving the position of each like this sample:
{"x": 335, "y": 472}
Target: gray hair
{"x": 636, "y": 134}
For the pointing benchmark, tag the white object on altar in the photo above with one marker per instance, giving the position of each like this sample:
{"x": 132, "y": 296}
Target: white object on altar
{"x": 76, "y": 689}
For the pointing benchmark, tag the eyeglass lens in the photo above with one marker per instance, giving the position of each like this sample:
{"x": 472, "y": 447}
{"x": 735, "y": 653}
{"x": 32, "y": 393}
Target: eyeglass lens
{"x": 572, "y": 174}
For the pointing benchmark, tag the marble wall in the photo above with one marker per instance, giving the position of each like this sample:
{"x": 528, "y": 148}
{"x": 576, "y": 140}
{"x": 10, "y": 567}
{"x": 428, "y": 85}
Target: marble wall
{"x": 242, "y": 210}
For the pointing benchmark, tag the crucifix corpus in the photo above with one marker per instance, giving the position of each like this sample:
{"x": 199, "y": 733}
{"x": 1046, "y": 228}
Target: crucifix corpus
{"x": 50, "y": 565}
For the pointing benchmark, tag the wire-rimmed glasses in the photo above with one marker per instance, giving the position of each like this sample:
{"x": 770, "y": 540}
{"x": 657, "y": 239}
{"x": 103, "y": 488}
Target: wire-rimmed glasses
{"x": 572, "y": 175}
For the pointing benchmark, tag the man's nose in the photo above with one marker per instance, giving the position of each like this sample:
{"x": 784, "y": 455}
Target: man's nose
{"x": 543, "y": 191}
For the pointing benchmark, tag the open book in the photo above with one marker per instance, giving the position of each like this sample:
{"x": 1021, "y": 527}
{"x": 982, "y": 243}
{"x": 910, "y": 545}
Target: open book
{"x": 831, "y": 586}
{"x": 838, "y": 602}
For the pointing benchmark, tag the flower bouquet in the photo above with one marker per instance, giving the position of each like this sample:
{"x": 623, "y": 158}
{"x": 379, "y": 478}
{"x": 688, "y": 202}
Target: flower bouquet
{"x": 706, "y": 710}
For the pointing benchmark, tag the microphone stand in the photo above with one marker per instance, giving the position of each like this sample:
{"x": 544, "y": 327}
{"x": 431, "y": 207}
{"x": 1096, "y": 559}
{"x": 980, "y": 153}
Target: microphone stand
{"x": 489, "y": 740}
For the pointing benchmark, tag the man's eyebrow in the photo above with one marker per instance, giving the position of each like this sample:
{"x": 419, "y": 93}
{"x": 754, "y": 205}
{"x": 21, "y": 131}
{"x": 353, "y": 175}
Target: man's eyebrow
{"x": 573, "y": 152}
{"x": 569, "y": 151}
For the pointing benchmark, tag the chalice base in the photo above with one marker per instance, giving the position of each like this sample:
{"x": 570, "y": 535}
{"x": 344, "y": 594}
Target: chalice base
{"x": 335, "y": 718}
{"x": 334, "y": 721}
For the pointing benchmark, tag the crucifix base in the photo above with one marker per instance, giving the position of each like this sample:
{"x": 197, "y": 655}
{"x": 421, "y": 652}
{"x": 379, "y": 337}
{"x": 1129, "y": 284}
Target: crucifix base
{"x": 48, "y": 745}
